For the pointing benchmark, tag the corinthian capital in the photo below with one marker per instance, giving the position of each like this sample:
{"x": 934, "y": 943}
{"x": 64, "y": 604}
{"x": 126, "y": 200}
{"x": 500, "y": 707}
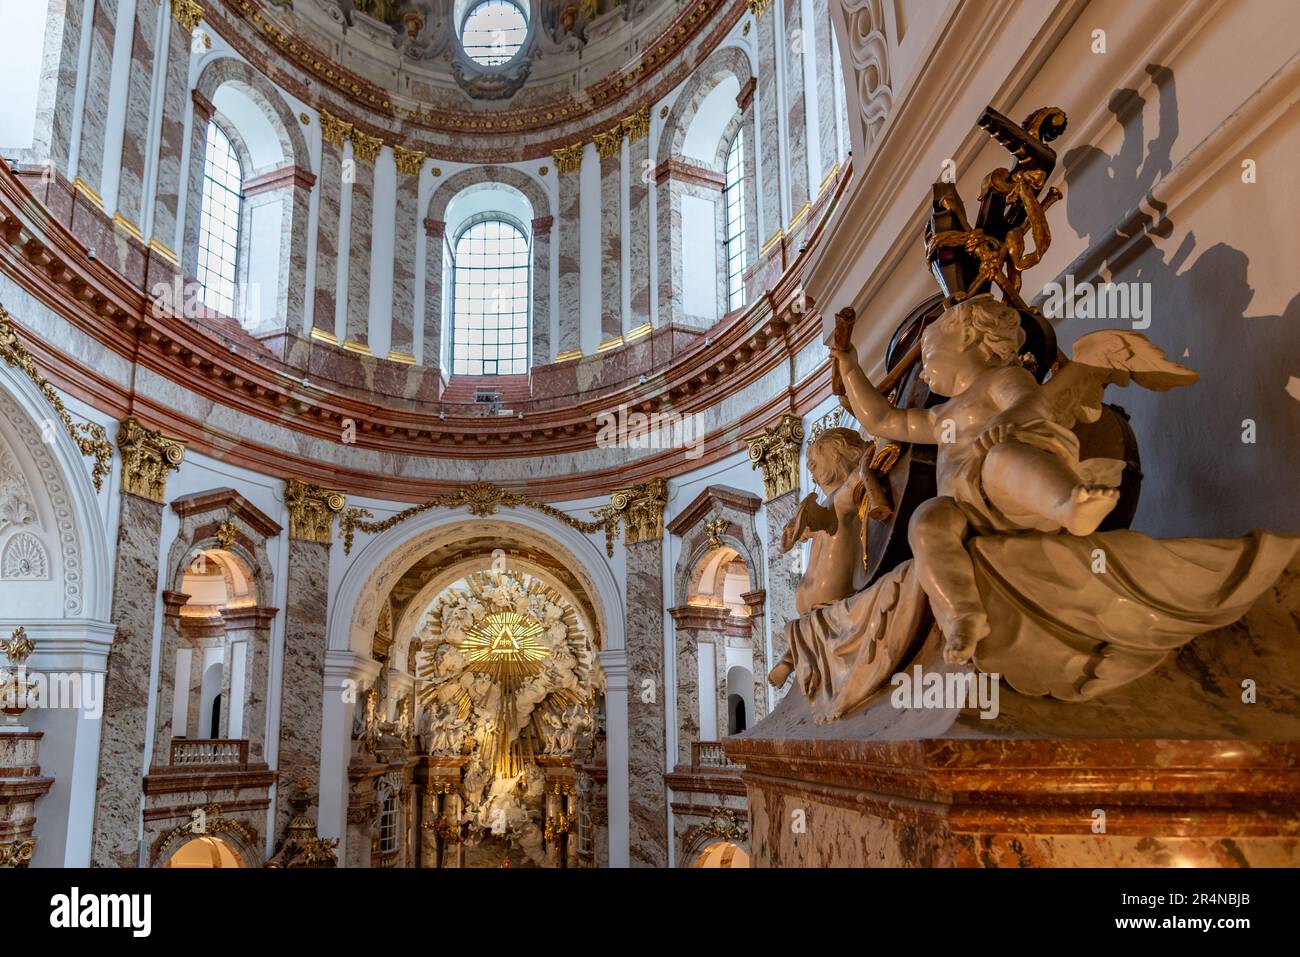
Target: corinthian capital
{"x": 642, "y": 508}
{"x": 312, "y": 510}
{"x": 776, "y": 451}
{"x": 147, "y": 458}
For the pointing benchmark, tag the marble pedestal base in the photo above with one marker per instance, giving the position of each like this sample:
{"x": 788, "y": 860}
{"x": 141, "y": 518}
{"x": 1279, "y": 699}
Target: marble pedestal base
{"x": 1195, "y": 764}
{"x": 21, "y": 786}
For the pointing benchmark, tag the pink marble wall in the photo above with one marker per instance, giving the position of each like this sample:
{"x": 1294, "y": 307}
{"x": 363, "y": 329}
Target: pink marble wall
{"x": 135, "y": 136}
{"x": 611, "y": 248}
{"x": 436, "y": 241}
{"x": 567, "y": 228}
{"x": 782, "y": 572}
{"x": 798, "y": 40}
{"x": 769, "y": 106}
{"x": 824, "y": 68}
{"x": 94, "y": 118}
{"x": 324, "y": 296}
{"x": 194, "y": 184}
{"x": 126, "y": 685}
{"x": 542, "y": 227}
{"x": 646, "y": 718}
{"x": 639, "y": 174}
{"x": 408, "y": 221}
{"x": 358, "y": 262}
{"x": 171, "y": 136}
{"x": 688, "y": 693}
{"x": 55, "y": 99}
{"x": 303, "y": 678}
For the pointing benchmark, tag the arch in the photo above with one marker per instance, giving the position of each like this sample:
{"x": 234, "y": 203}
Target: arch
{"x": 385, "y": 558}
{"x": 457, "y": 183}
{"x": 228, "y": 70}
{"x": 724, "y": 63}
{"x": 204, "y": 851}
{"x": 721, "y": 853}
{"x": 65, "y": 501}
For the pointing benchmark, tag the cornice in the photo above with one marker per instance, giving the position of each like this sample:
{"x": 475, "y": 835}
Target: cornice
{"x": 314, "y": 77}
{"x": 227, "y": 500}
{"x": 48, "y": 262}
{"x": 703, "y": 503}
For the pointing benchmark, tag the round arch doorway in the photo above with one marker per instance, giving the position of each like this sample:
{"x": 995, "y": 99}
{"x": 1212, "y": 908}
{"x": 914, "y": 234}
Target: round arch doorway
{"x": 722, "y": 854}
{"x": 205, "y": 852}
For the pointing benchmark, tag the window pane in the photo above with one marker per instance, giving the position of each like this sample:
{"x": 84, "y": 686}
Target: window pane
{"x": 490, "y": 310}
{"x": 733, "y": 200}
{"x": 219, "y": 222}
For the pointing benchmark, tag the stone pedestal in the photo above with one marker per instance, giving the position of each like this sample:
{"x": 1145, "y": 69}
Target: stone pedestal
{"x": 1193, "y": 765}
{"x": 21, "y": 786}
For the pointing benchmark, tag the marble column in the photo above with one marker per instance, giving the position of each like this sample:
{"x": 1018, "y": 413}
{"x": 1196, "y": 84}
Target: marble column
{"x": 171, "y": 133}
{"x": 365, "y": 150}
{"x": 334, "y": 133}
{"x": 776, "y": 452}
{"x": 823, "y": 54}
{"x": 435, "y": 231}
{"x": 798, "y": 40}
{"x": 612, "y": 817}
{"x": 409, "y": 163}
{"x": 56, "y": 98}
{"x": 147, "y": 458}
{"x": 640, "y": 174}
{"x": 568, "y": 166}
{"x": 21, "y": 786}
{"x": 171, "y": 641}
{"x": 311, "y": 527}
{"x": 139, "y": 102}
{"x": 609, "y": 147}
{"x": 293, "y": 241}
{"x": 542, "y": 289}
{"x": 202, "y": 115}
{"x": 642, "y": 508}
{"x": 719, "y": 642}
{"x": 688, "y": 692}
{"x": 94, "y": 117}
{"x": 252, "y": 626}
{"x": 770, "y": 174}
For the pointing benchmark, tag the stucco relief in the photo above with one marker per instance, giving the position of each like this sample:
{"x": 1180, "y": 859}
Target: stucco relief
{"x": 869, "y": 53}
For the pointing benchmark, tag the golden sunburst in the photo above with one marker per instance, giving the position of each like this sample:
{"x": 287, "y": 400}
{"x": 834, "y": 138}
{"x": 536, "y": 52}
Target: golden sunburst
{"x": 505, "y": 645}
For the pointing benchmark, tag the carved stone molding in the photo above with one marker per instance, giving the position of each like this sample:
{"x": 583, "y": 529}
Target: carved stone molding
{"x": 312, "y": 510}
{"x": 568, "y": 159}
{"x": 642, "y": 508}
{"x": 869, "y": 51}
{"x": 147, "y": 458}
{"x": 776, "y": 451}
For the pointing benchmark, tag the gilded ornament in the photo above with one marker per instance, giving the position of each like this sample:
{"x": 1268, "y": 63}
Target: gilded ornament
{"x": 333, "y": 129}
{"x": 482, "y": 499}
{"x": 366, "y": 147}
{"x": 312, "y": 510}
{"x": 226, "y": 534}
{"x": 723, "y": 825}
{"x": 637, "y": 125}
{"x": 776, "y": 451}
{"x": 408, "y": 161}
{"x": 17, "y": 853}
{"x": 187, "y": 13}
{"x": 758, "y": 7}
{"x": 568, "y": 159}
{"x": 148, "y": 457}
{"x": 209, "y": 820}
{"x": 642, "y": 508}
{"x": 90, "y": 438}
{"x": 716, "y": 528}
{"x": 609, "y": 143}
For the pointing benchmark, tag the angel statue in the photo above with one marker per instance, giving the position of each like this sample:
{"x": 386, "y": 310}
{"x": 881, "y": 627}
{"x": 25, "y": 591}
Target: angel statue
{"x": 1007, "y": 460}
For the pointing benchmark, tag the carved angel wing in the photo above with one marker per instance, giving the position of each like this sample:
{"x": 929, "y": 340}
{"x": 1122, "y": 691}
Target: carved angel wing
{"x": 1109, "y": 357}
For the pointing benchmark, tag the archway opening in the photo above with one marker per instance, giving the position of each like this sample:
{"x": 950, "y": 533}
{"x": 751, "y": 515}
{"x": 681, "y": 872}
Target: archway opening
{"x": 722, "y": 854}
{"x": 203, "y": 852}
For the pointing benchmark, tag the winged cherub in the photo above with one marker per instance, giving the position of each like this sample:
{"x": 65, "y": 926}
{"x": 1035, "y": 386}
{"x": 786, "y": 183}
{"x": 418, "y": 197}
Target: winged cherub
{"x": 1007, "y": 460}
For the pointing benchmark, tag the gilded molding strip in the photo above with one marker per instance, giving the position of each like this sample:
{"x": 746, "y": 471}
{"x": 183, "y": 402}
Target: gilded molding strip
{"x": 324, "y": 335}
{"x": 90, "y": 438}
{"x": 482, "y": 499}
{"x": 84, "y": 188}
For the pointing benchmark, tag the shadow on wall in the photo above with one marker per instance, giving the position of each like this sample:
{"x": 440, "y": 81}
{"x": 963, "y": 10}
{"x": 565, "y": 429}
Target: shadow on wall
{"x": 1203, "y": 473}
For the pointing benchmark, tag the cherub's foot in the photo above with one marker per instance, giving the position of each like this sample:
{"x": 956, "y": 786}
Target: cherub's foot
{"x": 1087, "y": 506}
{"x": 962, "y": 636}
{"x": 779, "y": 675}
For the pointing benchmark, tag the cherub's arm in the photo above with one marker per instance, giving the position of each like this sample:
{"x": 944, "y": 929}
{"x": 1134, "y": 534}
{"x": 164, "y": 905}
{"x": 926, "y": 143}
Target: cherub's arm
{"x": 1018, "y": 398}
{"x": 874, "y": 411}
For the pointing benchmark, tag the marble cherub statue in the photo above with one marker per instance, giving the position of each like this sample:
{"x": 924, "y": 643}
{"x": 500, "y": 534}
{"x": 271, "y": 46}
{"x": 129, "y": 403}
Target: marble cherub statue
{"x": 1007, "y": 461}
{"x": 835, "y": 567}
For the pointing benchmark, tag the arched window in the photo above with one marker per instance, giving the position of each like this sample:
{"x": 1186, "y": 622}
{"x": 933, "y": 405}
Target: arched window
{"x": 388, "y": 823}
{"x": 493, "y": 31}
{"x": 733, "y": 198}
{"x": 490, "y": 300}
{"x": 223, "y": 185}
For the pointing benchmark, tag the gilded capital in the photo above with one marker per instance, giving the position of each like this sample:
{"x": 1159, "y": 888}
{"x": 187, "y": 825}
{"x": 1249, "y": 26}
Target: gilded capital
{"x": 312, "y": 510}
{"x": 568, "y": 159}
{"x": 610, "y": 142}
{"x": 333, "y": 129}
{"x": 642, "y": 508}
{"x": 758, "y": 7}
{"x": 776, "y": 451}
{"x": 147, "y": 457}
{"x": 409, "y": 162}
{"x": 637, "y": 125}
{"x": 187, "y": 13}
{"x": 365, "y": 147}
